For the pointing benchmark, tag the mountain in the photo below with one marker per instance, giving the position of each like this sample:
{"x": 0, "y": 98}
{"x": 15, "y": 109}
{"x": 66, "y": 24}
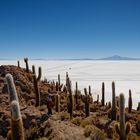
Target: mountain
{"x": 114, "y": 57}
{"x": 117, "y": 57}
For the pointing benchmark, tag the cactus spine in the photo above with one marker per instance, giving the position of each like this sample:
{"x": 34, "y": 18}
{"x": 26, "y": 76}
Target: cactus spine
{"x": 103, "y": 94}
{"x": 36, "y": 80}
{"x": 17, "y": 130}
{"x": 122, "y": 129}
{"x": 113, "y": 109}
{"x": 70, "y": 98}
{"x": 86, "y": 99}
{"x": 57, "y": 103}
{"x": 27, "y": 65}
{"x": 130, "y": 102}
{"x": 11, "y": 87}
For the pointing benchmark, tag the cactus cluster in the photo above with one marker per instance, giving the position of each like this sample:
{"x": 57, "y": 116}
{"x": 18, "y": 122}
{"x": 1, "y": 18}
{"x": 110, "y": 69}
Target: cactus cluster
{"x": 86, "y": 99}
{"x": 123, "y": 128}
{"x": 17, "y": 129}
{"x": 36, "y": 87}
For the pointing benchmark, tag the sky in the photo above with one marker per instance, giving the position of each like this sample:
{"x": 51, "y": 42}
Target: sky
{"x": 54, "y": 29}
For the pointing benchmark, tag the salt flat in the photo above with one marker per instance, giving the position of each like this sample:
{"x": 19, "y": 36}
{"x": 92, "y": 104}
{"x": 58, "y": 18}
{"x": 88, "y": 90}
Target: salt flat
{"x": 126, "y": 75}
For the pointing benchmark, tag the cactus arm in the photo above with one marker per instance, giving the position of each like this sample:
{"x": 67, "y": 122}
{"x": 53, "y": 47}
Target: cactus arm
{"x": 33, "y": 69}
{"x": 27, "y": 66}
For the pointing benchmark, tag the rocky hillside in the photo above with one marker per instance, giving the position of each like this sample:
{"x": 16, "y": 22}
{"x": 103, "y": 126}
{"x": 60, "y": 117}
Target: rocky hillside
{"x": 75, "y": 116}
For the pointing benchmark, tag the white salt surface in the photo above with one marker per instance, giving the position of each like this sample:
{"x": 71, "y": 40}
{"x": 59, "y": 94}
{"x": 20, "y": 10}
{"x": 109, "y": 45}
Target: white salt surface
{"x": 126, "y": 75}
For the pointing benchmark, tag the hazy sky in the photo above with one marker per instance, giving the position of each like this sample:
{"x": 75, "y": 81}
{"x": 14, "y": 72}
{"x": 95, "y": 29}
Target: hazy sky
{"x": 69, "y": 28}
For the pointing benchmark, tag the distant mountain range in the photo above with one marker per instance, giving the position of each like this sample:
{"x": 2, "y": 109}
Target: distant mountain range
{"x": 117, "y": 57}
{"x": 113, "y": 58}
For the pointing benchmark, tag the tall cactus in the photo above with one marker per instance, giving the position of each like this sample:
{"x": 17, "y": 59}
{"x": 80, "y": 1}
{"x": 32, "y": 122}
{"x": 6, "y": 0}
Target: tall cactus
{"x": 67, "y": 76}
{"x": 17, "y": 130}
{"x": 57, "y": 103}
{"x": 59, "y": 80}
{"x": 11, "y": 87}
{"x": 130, "y": 102}
{"x": 27, "y": 65}
{"x": 97, "y": 98}
{"x": 113, "y": 109}
{"x": 89, "y": 88}
{"x": 70, "y": 98}
{"x": 122, "y": 129}
{"x": 35, "y": 80}
{"x": 76, "y": 93}
{"x": 18, "y": 64}
{"x": 86, "y": 99}
{"x": 103, "y": 94}
{"x": 138, "y": 108}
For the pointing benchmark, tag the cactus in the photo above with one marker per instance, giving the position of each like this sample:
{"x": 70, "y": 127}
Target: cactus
{"x": 33, "y": 69}
{"x": 123, "y": 128}
{"x": 138, "y": 108}
{"x": 39, "y": 72}
{"x": 113, "y": 109}
{"x": 70, "y": 98}
{"x": 103, "y": 94}
{"x": 76, "y": 94}
{"x": 37, "y": 91}
{"x": 97, "y": 98}
{"x": 57, "y": 86}
{"x": 17, "y": 130}
{"x": 27, "y": 66}
{"x": 57, "y": 103}
{"x": 86, "y": 99}
{"x": 89, "y": 90}
{"x": 109, "y": 105}
{"x": 59, "y": 80}
{"x": 130, "y": 102}
{"x": 11, "y": 87}
{"x": 67, "y": 76}
{"x": 36, "y": 80}
{"x": 18, "y": 64}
